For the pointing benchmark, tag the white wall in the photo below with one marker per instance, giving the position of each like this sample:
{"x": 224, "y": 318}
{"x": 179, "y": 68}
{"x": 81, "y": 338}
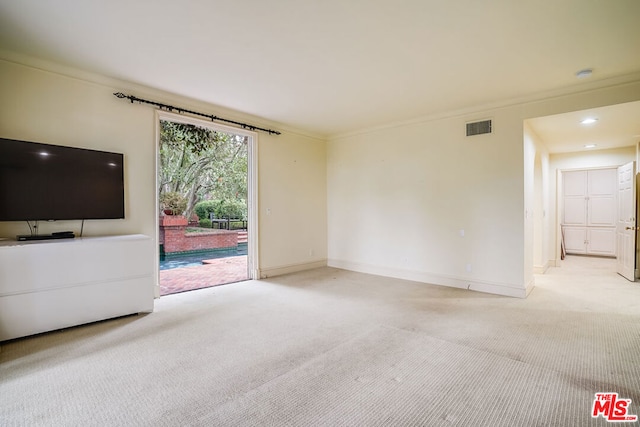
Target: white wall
{"x": 292, "y": 204}
{"x": 529, "y": 202}
{"x": 537, "y": 196}
{"x": 398, "y": 196}
{"x": 73, "y": 108}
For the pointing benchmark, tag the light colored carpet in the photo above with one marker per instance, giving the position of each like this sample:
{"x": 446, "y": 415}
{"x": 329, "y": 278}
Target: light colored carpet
{"x": 335, "y": 348}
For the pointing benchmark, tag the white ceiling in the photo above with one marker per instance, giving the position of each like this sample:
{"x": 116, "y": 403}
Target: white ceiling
{"x": 616, "y": 126}
{"x": 334, "y": 66}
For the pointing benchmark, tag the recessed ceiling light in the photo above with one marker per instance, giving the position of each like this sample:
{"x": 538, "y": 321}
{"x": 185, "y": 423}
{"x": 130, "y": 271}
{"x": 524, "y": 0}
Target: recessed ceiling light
{"x": 590, "y": 146}
{"x": 589, "y": 121}
{"x": 584, "y": 73}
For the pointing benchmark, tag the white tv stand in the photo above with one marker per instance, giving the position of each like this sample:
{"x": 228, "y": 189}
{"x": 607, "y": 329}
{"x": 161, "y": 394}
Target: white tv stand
{"x": 53, "y": 284}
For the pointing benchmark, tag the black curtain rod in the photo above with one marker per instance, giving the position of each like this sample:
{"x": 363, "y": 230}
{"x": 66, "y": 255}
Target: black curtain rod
{"x": 183, "y": 110}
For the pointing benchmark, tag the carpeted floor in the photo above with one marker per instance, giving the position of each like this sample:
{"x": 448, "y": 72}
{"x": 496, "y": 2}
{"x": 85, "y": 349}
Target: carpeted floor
{"x": 334, "y": 348}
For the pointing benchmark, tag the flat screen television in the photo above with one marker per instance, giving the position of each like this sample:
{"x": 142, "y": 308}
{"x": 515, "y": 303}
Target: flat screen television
{"x": 51, "y": 182}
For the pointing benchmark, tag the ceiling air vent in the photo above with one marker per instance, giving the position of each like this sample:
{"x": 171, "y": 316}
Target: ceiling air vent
{"x": 479, "y": 128}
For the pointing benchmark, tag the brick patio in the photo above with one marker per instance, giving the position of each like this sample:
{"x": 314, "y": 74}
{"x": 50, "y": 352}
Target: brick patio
{"x": 213, "y": 272}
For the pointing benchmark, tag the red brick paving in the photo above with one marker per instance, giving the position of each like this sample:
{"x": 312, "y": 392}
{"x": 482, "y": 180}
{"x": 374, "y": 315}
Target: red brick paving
{"x": 213, "y": 272}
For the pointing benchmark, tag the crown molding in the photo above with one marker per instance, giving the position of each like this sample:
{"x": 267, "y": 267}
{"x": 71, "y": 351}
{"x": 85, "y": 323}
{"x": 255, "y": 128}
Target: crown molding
{"x": 482, "y": 109}
{"x": 140, "y": 90}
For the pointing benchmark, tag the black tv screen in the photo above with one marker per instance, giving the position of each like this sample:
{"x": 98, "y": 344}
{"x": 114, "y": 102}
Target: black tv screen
{"x": 51, "y": 182}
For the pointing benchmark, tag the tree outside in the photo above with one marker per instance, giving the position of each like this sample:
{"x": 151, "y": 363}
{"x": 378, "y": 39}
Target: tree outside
{"x": 206, "y": 167}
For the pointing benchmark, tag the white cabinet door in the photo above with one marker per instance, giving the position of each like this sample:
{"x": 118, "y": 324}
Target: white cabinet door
{"x": 590, "y": 241}
{"x": 601, "y": 211}
{"x": 575, "y": 211}
{"x": 601, "y": 241}
{"x": 601, "y": 203}
{"x": 575, "y": 195}
{"x": 575, "y": 240}
{"x": 602, "y": 182}
{"x": 575, "y": 183}
{"x": 589, "y": 211}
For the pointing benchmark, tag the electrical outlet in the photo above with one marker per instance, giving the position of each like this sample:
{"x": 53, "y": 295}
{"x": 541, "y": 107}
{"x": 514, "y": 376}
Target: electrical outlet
{"x": 461, "y": 232}
{"x": 469, "y": 268}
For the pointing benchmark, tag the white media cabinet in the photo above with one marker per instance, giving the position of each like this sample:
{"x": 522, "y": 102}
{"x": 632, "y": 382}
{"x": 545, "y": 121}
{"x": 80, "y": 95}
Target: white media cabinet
{"x": 53, "y": 284}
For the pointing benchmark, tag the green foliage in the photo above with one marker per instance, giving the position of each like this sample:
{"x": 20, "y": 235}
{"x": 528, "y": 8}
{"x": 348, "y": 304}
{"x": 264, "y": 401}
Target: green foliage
{"x": 202, "y": 164}
{"x": 204, "y": 208}
{"x": 205, "y": 223}
{"x": 234, "y": 209}
{"x": 194, "y": 138}
{"x": 174, "y": 202}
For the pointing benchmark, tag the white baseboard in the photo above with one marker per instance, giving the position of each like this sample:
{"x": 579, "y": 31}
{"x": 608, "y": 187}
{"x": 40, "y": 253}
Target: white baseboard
{"x": 292, "y": 268}
{"x": 530, "y": 286}
{"x": 504, "y": 289}
{"x": 541, "y": 269}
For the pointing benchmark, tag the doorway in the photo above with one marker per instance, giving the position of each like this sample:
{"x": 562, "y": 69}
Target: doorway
{"x": 567, "y": 142}
{"x": 206, "y": 189}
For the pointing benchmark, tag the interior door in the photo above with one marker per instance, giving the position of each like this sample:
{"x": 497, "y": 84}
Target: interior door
{"x": 626, "y": 223}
